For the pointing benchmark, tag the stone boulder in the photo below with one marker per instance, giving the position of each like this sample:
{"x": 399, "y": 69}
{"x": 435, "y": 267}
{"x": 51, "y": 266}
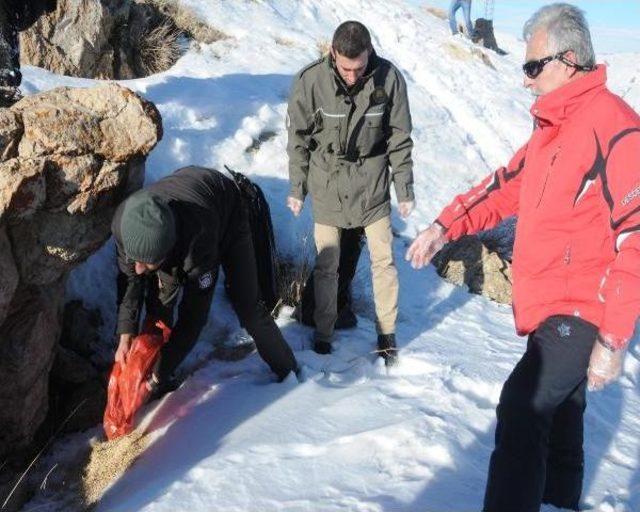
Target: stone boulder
{"x": 67, "y": 158}
{"x": 28, "y": 339}
{"x": 8, "y": 271}
{"x": 469, "y": 261}
{"x": 113, "y": 39}
{"x": 79, "y": 39}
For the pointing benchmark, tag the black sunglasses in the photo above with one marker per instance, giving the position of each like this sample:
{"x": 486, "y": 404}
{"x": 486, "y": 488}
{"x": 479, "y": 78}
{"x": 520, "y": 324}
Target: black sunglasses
{"x": 533, "y": 68}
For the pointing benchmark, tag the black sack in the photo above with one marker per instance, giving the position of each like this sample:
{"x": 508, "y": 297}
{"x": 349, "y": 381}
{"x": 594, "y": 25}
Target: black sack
{"x": 484, "y": 34}
{"x": 264, "y": 244}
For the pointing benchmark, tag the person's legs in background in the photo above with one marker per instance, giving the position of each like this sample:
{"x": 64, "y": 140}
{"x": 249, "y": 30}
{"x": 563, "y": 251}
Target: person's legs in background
{"x": 325, "y": 275}
{"x": 453, "y": 7}
{"x": 466, "y": 9}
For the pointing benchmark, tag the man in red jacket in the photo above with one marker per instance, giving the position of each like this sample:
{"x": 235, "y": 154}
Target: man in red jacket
{"x": 575, "y": 186}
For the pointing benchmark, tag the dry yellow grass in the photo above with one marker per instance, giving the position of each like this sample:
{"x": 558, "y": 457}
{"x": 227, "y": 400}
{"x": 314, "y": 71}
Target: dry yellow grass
{"x": 292, "y": 275}
{"x": 437, "y": 12}
{"x": 159, "y": 49}
{"x": 188, "y": 21}
{"x": 323, "y": 47}
{"x": 464, "y": 54}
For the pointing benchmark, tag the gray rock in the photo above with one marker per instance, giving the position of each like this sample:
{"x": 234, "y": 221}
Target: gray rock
{"x": 22, "y": 188}
{"x": 468, "y": 261}
{"x": 9, "y": 273}
{"x": 78, "y": 38}
{"x": 28, "y": 337}
{"x": 108, "y": 121}
{"x": 10, "y": 130}
{"x": 67, "y": 159}
{"x": 84, "y": 408}
{"x": 81, "y": 329}
{"x": 71, "y": 368}
{"x": 112, "y": 39}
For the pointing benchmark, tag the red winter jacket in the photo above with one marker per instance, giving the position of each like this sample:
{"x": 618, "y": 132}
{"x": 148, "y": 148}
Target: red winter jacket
{"x": 575, "y": 187}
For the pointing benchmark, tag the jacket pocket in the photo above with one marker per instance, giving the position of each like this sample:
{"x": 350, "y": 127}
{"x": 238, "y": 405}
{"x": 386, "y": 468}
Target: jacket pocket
{"x": 376, "y": 173}
{"x": 372, "y": 133}
{"x": 323, "y": 185}
{"x": 328, "y": 136}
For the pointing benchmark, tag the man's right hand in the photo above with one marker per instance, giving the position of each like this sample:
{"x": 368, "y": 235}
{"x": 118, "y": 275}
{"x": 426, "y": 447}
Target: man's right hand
{"x": 123, "y": 348}
{"x": 425, "y": 246}
{"x": 295, "y": 205}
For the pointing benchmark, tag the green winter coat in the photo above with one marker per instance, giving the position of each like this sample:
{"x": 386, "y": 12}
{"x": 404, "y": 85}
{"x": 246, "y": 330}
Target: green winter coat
{"x": 342, "y": 142}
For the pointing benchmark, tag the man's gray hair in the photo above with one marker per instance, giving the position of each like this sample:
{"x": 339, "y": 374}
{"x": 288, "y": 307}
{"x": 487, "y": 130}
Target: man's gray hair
{"x": 566, "y": 28}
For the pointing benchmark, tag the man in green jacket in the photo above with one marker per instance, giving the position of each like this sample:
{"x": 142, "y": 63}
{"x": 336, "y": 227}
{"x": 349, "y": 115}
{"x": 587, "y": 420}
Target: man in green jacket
{"x": 348, "y": 122}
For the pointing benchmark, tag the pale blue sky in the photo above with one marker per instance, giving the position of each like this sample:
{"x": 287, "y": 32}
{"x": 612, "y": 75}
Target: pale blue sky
{"x": 615, "y": 24}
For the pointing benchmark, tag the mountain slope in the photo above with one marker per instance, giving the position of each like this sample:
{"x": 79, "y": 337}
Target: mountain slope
{"x": 352, "y": 436}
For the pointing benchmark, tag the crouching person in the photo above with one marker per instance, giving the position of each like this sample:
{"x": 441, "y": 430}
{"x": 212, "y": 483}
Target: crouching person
{"x": 173, "y": 236}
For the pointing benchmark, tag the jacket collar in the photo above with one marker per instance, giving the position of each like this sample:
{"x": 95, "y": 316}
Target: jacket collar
{"x": 557, "y": 106}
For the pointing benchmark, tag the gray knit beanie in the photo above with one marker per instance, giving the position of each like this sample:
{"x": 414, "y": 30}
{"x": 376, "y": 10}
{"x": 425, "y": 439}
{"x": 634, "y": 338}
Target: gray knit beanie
{"x": 148, "y": 228}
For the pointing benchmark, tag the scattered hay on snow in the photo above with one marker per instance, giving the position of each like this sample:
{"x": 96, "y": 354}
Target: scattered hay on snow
{"x": 108, "y": 461}
{"x": 467, "y": 54}
{"x": 437, "y": 12}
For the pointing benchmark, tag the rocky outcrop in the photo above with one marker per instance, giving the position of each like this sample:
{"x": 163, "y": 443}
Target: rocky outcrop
{"x": 69, "y": 156}
{"x": 28, "y": 338}
{"x": 469, "y": 261}
{"x": 116, "y": 39}
{"x": 80, "y": 371}
{"x": 80, "y": 38}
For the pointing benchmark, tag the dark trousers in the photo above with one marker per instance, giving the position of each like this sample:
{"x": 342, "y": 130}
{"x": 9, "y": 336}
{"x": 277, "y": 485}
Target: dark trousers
{"x": 241, "y": 282}
{"x": 538, "y": 456}
{"x": 242, "y": 286}
{"x": 351, "y": 241}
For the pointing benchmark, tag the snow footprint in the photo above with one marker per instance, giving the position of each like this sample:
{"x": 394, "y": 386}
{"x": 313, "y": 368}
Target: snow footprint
{"x": 248, "y": 145}
{"x": 485, "y": 395}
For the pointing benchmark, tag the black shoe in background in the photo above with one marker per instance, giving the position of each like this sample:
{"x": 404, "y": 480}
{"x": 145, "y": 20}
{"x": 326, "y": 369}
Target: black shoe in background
{"x": 283, "y": 374}
{"x": 387, "y": 349}
{"x": 346, "y": 319}
{"x": 322, "y": 347}
{"x": 157, "y": 388}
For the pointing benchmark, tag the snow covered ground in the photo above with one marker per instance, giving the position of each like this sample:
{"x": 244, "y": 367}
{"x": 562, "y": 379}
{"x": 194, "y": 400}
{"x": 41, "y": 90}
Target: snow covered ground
{"x": 352, "y": 436}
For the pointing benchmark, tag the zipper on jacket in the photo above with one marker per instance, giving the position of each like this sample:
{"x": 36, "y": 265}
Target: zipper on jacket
{"x": 566, "y": 259}
{"x": 347, "y": 140}
{"x": 546, "y": 178}
{"x": 544, "y": 186}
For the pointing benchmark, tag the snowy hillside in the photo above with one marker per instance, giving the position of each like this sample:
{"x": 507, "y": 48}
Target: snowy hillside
{"x": 352, "y": 436}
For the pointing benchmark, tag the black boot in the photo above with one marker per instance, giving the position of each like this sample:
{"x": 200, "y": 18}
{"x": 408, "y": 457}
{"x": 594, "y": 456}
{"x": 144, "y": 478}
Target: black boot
{"x": 387, "y": 348}
{"x": 346, "y": 319}
{"x": 283, "y": 374}
{"x": 158, "y": 388}
{"x": 321, "y": 343}
{"x": 322, "y": 347}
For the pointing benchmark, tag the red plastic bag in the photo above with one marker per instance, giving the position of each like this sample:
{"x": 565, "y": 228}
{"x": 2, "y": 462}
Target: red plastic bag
{"x": 127, "y": 389}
